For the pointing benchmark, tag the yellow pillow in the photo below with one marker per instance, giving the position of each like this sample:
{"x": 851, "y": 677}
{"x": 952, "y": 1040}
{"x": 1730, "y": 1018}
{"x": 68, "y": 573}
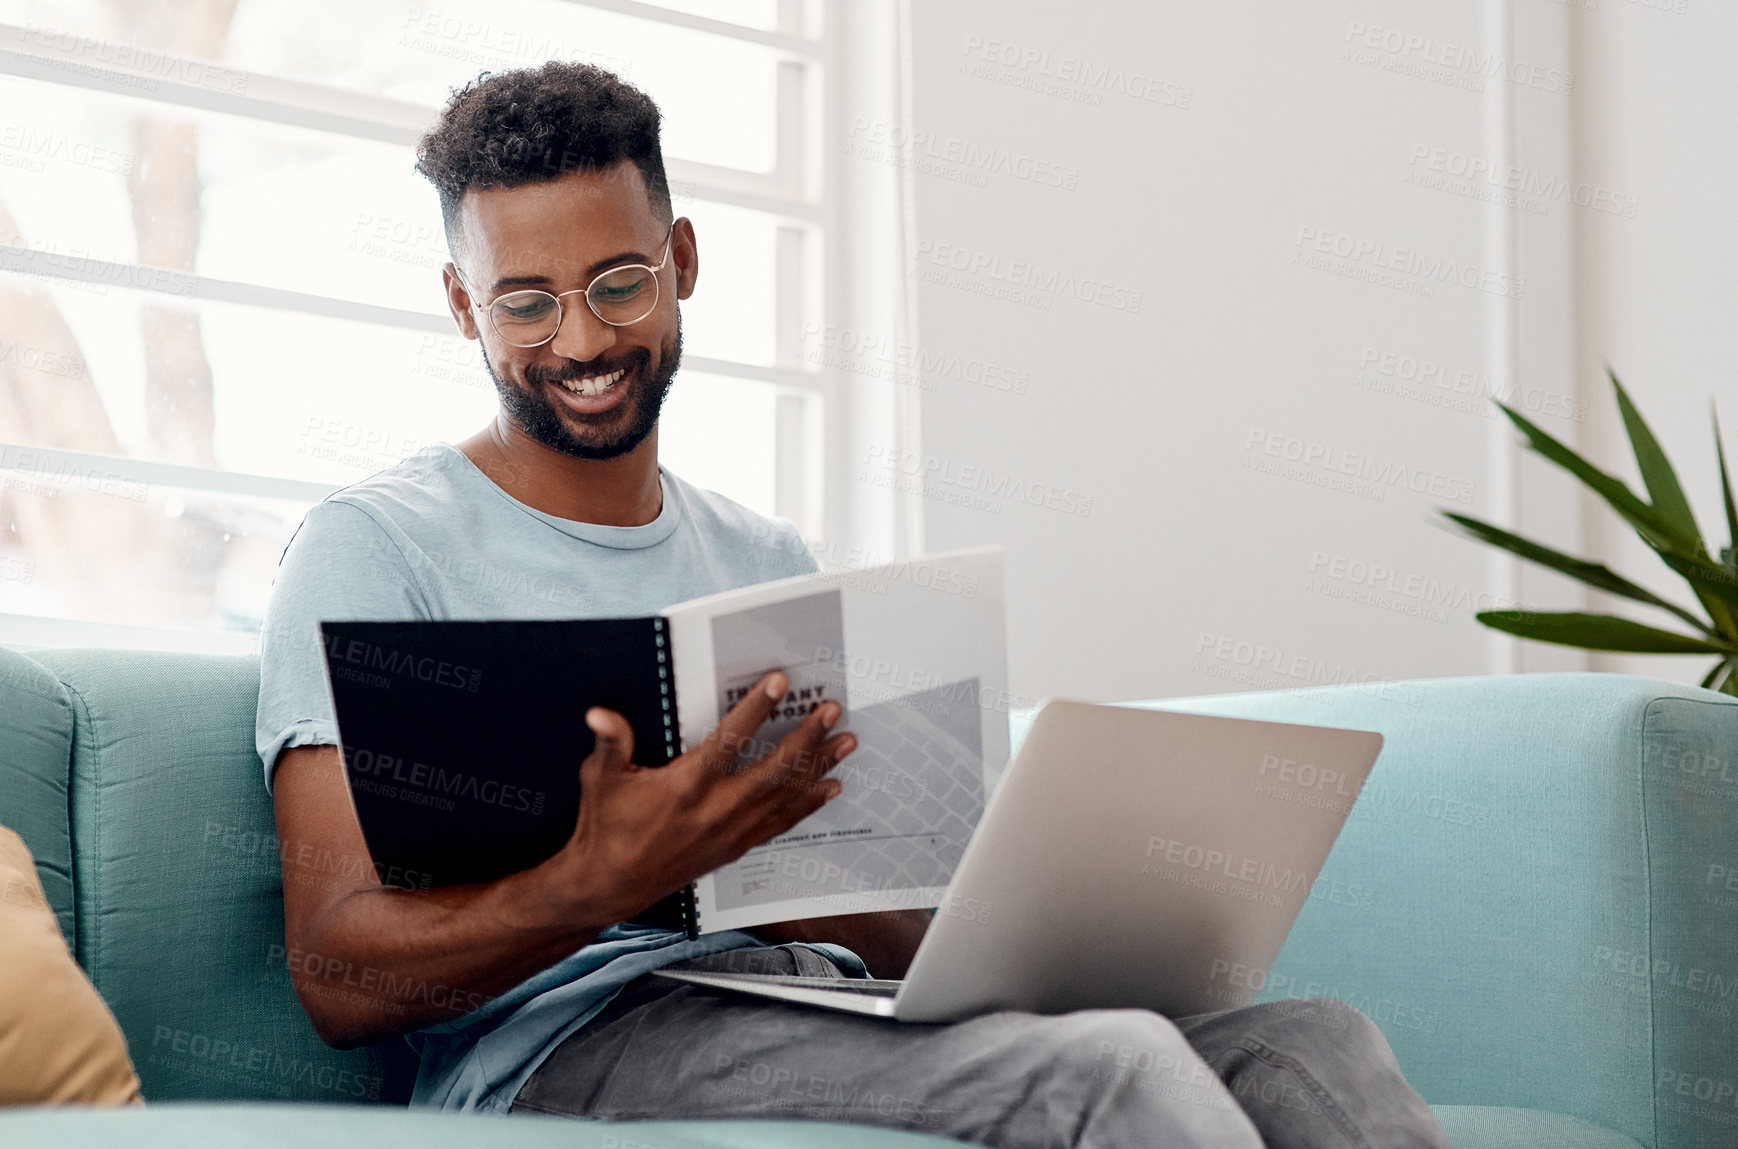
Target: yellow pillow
{"x": 59, "y": 1043}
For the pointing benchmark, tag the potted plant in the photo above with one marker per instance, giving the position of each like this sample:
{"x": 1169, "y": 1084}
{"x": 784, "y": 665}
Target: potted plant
{"x": 1665, "y": 523}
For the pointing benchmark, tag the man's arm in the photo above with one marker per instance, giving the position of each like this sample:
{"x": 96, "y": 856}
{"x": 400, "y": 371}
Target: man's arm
{"x": 371, "y": 961}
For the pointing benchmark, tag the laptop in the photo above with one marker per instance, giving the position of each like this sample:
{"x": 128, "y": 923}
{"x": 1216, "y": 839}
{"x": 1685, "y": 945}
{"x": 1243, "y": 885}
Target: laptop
{"x": 1129, "y": 857}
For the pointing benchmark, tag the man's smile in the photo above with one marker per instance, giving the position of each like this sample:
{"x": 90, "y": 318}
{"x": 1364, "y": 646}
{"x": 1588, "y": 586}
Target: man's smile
{"x": 588, "y": 388}
{"x": 595, "y": 384}
{"x": 592, "y": 394}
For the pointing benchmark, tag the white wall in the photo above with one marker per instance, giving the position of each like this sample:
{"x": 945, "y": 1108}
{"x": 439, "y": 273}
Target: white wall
{"x": 1654, "y": 292}
{"x": 1191, "y": 559}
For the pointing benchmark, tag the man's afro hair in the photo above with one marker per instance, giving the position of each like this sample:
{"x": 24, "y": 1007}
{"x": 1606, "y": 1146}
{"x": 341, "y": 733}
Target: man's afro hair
{"x": 530, "y": 125}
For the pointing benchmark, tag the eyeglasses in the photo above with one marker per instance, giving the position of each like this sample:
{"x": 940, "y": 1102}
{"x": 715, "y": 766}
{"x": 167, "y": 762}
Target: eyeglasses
{"x": 619, "y": 296}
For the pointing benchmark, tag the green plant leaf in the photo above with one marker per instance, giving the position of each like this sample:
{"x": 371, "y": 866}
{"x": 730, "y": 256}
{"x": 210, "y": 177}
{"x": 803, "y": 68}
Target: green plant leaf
{"x": 1661, "y": 480}
{"x": 1715, "y": 585}
{"x": 1708, "y": 579}
{"x": 1681, "y": 552}
{"x": 1730, "y": 554}
{"x": 1713, "y": 674}
{"x": 1598, "y": 632}
{"x": 1654, "y": 530}
{"x": 1593, "y": 574}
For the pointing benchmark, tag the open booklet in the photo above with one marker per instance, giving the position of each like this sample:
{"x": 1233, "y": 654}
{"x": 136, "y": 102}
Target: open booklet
{"x": 462, "y": 739}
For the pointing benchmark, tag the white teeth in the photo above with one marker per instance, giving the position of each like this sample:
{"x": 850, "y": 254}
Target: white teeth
{"x": 594, "y": 385}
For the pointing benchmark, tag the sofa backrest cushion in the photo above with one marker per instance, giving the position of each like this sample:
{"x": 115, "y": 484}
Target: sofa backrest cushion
{"x": 35, "y": 765}
{"x": 178, "y": 887}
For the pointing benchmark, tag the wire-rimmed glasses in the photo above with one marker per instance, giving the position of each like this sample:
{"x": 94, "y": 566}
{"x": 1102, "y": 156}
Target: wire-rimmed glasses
{"x": 530, "y": 317}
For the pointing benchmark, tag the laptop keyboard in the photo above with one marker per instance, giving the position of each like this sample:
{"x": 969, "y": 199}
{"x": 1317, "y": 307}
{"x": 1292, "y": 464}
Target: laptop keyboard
{"x": 872, "y": 987}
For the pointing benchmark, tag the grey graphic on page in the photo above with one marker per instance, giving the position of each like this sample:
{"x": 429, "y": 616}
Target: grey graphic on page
{"x": 790, "y": 636}
{"x": 913, "y": 792}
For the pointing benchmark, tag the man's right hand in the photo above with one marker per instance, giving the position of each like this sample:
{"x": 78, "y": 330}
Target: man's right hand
{"x": 642, "y": 832}
{"x": 646, "y": 831}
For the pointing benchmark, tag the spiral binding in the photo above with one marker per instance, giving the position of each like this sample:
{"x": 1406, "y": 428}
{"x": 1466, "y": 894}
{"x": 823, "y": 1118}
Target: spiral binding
{"x": 690, "y": 902}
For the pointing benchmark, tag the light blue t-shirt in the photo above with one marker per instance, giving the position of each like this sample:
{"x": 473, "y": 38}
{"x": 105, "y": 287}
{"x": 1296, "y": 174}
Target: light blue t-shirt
{"x": 435, "y": 538}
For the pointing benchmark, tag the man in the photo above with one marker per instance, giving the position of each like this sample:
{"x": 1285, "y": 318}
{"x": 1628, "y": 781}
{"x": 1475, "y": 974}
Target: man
{"x": 527, "y": 993}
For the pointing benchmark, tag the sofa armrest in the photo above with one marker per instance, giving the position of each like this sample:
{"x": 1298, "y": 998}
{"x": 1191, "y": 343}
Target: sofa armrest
{"x": 1536, "y": 893}
{"x": 178, "y": 887}
{"x": 35, "y": 773}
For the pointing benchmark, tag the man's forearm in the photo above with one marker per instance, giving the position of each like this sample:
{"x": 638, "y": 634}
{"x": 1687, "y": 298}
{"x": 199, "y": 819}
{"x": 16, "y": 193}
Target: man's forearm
{"x": 886, "y": 941}
{"x": 384, "y": 961}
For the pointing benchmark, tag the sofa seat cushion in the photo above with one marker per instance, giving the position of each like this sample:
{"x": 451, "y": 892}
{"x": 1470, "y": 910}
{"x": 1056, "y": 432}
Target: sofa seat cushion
{"x": 185, "y": 1125}
{"x": 276, "y": 1126}
{"x": 1493, "y": 1127}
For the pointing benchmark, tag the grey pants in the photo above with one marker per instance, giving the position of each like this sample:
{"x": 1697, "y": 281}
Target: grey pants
{"x": 1313, "y": 1072}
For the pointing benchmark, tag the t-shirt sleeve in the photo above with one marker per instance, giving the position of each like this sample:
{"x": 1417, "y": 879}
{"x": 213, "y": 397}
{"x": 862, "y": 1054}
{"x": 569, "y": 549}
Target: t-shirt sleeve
{"x": 341, "y": 564}
{"x": 802, "y": 558}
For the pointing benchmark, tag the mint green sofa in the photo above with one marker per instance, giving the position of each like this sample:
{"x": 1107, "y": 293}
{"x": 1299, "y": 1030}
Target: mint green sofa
{"x": 1534, "y": 898}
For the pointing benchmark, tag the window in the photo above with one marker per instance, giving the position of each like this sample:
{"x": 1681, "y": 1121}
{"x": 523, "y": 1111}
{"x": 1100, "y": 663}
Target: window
{"x": 219, "y": 276}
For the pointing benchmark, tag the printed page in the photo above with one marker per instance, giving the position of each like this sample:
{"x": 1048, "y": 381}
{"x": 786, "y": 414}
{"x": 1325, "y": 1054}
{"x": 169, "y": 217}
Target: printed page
{"x": 916, "y": 654}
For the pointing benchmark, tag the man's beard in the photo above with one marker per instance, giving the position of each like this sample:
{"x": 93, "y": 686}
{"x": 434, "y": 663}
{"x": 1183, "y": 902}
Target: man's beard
{"x": 542, "y": 420}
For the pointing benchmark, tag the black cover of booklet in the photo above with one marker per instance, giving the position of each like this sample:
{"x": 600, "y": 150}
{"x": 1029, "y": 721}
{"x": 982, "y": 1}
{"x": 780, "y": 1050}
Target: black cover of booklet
{"x": 462, "y": 740}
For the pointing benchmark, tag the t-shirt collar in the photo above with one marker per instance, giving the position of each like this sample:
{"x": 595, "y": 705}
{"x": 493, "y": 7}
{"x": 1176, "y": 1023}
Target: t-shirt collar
{"x": 605, "y": 535}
